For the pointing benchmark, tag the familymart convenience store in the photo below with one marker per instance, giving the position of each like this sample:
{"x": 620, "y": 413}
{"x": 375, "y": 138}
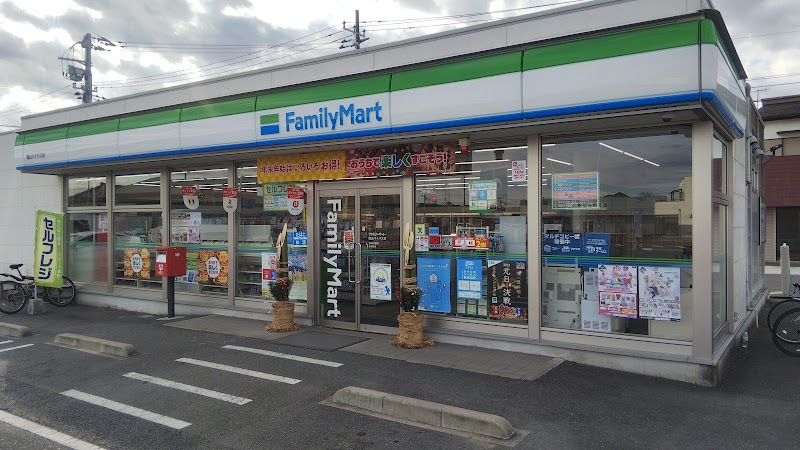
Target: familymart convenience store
{"x": 629, "y": 134}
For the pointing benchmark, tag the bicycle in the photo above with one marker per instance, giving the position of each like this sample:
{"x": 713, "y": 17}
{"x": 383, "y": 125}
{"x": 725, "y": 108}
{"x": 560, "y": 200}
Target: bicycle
{"x": 783, "y": 306}
{"x": 786, "y": 334}
{"x": 15, "y": 292}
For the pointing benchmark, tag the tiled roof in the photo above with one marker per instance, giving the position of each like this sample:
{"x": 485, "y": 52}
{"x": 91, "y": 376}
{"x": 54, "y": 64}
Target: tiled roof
{"x": 780, "y": 108}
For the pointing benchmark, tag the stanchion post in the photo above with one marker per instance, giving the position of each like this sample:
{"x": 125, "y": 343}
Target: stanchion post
{"x": 170, "y": 297}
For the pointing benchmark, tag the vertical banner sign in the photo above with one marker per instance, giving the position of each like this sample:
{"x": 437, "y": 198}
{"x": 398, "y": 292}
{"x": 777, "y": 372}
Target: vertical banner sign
{"x": 269, "y": 271}
{"x": 230, "y": 199}
{"x": 295, "y": 201}
{"x": 576, "y": 190}
{"x": 191, "y": 198}
{"x": 483, "y": 195}
{"x": 433, "y": 277}
{"x": 618, "y": 290}
{"x": 660, "y": 293}
{"x": 331, "y": 275}
{"x": 380, "y": 281}
{"x": 48, "y": 258}
{"x": 507, "y": 290}
{"x": 469, "y": 273}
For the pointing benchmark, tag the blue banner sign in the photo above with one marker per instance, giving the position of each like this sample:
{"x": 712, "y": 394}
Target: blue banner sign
{"x": 596, "y": 244}
{"x": 469, "y": 273}
{"x": 562, "y": 244}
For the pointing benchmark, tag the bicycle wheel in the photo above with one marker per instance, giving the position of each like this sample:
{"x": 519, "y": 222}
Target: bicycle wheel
{"x": 778, "y": 309}
{"x": 62, "y": 296}
{"x": 786, "y": 334}
{"x": 12, "y": 297}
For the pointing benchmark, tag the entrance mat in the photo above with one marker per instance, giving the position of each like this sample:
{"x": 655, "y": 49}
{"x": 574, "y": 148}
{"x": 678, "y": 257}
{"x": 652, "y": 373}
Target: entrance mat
{"x": 229, "y": 325}
{"x": 314, "y": 340}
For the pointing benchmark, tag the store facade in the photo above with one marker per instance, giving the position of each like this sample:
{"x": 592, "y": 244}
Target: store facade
{"x": 574, "y": 194}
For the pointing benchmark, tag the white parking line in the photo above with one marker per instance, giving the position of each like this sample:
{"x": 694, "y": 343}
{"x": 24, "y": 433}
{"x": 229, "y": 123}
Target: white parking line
{"x": 251, "y": 373}
{"x": 14, "y": 348}
{"x": 188, "y": 388}
{"x": 47, "y": 433}
{"x": 170, "y": 318}
{"x": 6, "y": 342}
{"x": 321, "y": 362}
{"x": 127, "y": 409}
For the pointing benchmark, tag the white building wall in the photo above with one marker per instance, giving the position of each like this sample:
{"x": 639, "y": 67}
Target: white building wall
{"x": 20, "y": 196}
{"x": 740, "y": 240}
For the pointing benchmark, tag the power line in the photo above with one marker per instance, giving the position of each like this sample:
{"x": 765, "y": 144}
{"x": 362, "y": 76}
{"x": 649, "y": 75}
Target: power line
{"x": 222, "y": 62}
{"x": 467, "y": 15}
{"x": 35, "y": 98}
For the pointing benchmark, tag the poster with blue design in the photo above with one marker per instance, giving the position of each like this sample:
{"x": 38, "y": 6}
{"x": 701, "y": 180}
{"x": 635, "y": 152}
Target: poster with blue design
{"x": 596, "y": 244}
{"x": 433, "y": 277}
{"x": 469, "y": 273}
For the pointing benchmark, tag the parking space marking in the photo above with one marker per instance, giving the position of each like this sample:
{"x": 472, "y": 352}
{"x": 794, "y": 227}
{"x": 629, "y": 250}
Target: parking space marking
{"x": 321, "y": 362}
{"x": 250, "y": 373}
{"x": 6, "y": 342}
{"x": 47, "y": 433}
{"x": 127, "y": 409}
{"x": 14, "y": 348}
{"x": 188, "y": 388}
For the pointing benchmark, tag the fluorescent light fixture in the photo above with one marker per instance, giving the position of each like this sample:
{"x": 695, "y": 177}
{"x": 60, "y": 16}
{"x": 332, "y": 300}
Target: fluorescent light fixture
{"x": 546, "y": 174}
{"x": 472, "y": 178}
{"x": 441, "y": 179}
{"x": 431, "y": 184}
{"x": 628, "y": 154}
{"x": 454, "y": 187}
{"x": 558, "y": 161}
{"x": 499, "y": 149}
{"x": 466, "y": 171}
{"x": 548, "y": 145}
{"x": 482, "y": 162}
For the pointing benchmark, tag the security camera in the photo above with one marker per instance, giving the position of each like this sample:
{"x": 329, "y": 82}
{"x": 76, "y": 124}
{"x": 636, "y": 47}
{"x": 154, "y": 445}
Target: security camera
{"x": 667, "y": 118}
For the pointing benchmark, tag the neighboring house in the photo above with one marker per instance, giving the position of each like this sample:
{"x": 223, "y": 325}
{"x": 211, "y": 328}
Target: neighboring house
{"x": 782, "y": 174}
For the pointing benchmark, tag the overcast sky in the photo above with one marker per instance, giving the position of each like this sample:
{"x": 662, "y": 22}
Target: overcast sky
{"x": 168, "y": 42}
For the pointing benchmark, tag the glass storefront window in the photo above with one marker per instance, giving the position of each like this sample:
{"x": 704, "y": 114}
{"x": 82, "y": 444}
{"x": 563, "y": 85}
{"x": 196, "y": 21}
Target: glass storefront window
{"x": 617, "y": 234}
{"x": 139, "y": 189}
{"x": 263, "y": 210}
{"x": 136, "y": 235}
{"x": 203, "y": 230}
{"x": 718, "y": 166}
{"x": 86, "y": 191}
{"x": 87, "y": 256}
{"x": 719, "y": 279}
{"x": 471, "y": 236}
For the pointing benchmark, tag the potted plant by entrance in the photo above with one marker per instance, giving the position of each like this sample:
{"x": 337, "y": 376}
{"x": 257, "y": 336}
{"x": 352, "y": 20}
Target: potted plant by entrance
{"x": 282, "y": 309}
{"x": 410, "y": 319}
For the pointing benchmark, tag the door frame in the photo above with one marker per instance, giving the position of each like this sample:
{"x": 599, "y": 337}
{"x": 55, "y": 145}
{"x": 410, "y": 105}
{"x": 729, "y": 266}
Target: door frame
{"x": 356, "y": 188}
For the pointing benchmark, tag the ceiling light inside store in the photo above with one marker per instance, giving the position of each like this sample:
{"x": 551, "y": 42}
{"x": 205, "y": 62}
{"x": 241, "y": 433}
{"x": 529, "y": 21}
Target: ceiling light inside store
{"x": 482, "y": 162}
{"x": 628, "y": 154}
{"x": 499, "y": 149}
{"x": 548, "y": 145}
{"x": 558, "y": 161}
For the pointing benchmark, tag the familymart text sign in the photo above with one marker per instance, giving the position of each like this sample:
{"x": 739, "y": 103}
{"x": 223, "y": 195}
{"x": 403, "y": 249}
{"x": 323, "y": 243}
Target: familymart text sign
{"x": 48, "y": 259}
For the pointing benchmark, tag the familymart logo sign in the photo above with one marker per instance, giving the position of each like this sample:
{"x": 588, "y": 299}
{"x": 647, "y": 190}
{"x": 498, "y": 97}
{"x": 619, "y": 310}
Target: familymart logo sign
{"x": 328, "y": 117}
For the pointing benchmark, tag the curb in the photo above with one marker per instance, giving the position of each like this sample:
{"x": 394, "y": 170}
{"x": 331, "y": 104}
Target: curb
{"x": 11, "y": 330}
{"x": 430, "y": 413}
{"x": 95, "y": 345}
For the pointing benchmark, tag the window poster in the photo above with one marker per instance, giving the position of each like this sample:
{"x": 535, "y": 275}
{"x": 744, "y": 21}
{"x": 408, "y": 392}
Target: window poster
{"x": 433, "y": 278}
{"x": 212, "y": 267}
{"x": 380, "y": 281}
{"x": 507, "y": 290}
{"x": 185, "y": 227}
{"x": 660, "y": 293}
{"x": 298, "y": 273}
{"x": 483, "y": 195}
{"x": 137, "y": 263}
{"x": 269, "y": 271}
{"x": 469, "y": 274}
{"x": 617, "y": 287}
{"x": 576, "y": 190}
{"x": 276, "y": 196}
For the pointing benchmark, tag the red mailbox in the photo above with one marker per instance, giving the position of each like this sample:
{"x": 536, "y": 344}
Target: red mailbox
{"x": 170, "y": 261}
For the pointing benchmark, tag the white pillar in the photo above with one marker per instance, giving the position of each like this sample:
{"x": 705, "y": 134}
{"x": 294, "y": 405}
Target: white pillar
{"x": 786, "y": 282}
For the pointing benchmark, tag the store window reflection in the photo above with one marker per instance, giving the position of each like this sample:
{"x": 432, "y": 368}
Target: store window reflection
{"x": 86, "y": 191}
{"x": 199, "y": 222}
{"x": 87, "y": 256}
{"x": 139, "y": 189}
{"x": 471, "y": 236}
{"x": 263, "y": 211}
{"x": 136, "y": 235}
{"x": 617, "y": 234}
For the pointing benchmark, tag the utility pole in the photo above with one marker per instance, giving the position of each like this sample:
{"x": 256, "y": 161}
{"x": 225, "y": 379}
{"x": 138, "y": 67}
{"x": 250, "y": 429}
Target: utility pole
{"x": 77, "y": 74}
{"x": 358, "y": 35}
{"x": 87, "y": 47}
